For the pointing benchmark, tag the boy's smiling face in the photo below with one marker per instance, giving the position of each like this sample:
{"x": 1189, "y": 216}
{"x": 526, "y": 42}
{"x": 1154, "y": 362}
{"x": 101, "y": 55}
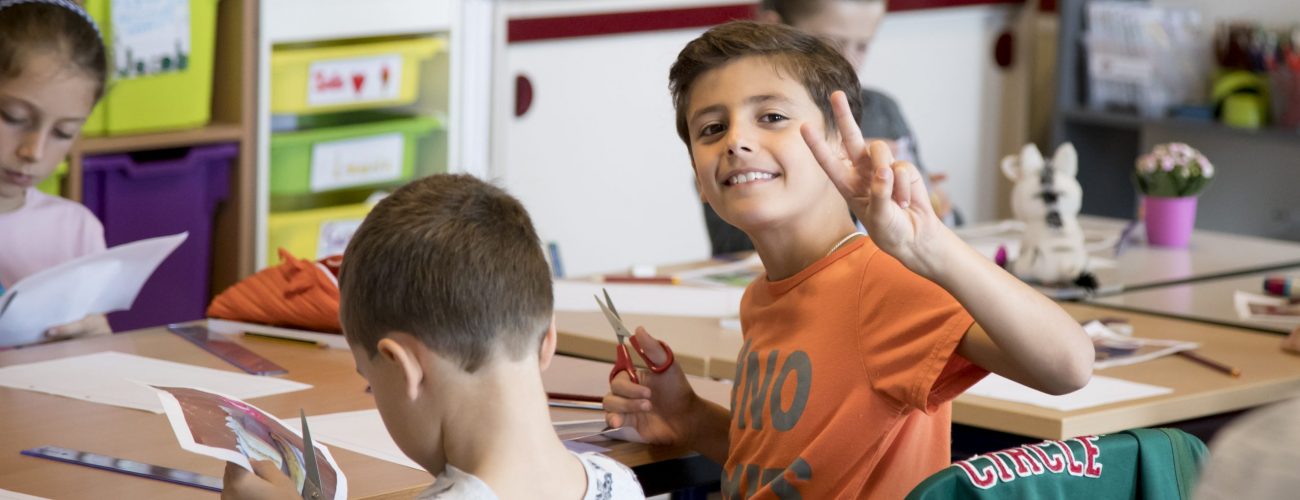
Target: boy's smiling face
{"x": 751, "y": 162}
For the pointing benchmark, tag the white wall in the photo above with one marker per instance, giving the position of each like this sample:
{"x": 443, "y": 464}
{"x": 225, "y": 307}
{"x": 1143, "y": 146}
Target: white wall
{"x": 938, "y": 65}
{"x": 597, "y": 161}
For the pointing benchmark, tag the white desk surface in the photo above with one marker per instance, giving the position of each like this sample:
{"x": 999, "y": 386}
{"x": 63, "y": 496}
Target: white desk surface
{"x": 1210, "y": 300}
{"x": 1210, "y": 254}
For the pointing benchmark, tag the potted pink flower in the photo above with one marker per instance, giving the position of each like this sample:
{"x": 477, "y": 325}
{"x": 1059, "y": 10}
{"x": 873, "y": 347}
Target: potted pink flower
{"x": 1169, "y": 178}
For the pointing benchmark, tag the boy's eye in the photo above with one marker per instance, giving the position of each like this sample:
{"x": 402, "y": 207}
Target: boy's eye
{"x": 772, "y": 117}
{"x": 65, "y": 135}
{"x": 12, "y": 118}
{"x": 710, "y": 129}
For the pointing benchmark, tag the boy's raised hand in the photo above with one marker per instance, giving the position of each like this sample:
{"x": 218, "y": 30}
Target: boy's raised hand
{"x": 888, "y": 196}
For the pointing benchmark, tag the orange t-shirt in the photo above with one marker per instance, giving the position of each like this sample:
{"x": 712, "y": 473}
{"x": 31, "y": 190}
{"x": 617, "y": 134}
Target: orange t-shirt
{"x": 844, "y": 383}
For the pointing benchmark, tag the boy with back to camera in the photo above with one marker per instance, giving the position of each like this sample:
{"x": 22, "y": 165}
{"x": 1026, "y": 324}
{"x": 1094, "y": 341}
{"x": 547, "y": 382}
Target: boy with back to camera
{"x": 853, "y": 347}
{"x": 445, "y": 300}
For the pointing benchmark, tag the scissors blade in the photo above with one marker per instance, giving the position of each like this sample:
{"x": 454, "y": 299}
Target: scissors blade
{"x": 611, "y": 304}
{"x": 614, "y": 321}
{"x": 310, "y": 487}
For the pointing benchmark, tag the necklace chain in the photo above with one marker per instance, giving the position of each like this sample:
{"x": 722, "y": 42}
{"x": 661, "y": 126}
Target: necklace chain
{"x": 843, "y": 241}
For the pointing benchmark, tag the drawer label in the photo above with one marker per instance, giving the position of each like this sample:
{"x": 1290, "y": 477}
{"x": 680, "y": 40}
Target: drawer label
{"x": 334, "y": 236}
{"x": 357, "y": 162}
{"x": 356, "y": 80}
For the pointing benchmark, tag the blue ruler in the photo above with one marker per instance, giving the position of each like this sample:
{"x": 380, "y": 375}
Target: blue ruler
{"x": 140, "y": 469}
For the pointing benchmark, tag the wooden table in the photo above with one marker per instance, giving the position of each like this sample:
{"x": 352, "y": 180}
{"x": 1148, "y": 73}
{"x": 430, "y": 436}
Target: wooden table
{"x": 31, "y": 419}
{"x": 1268, "y": 375}
{"x": 1210, "y": 300}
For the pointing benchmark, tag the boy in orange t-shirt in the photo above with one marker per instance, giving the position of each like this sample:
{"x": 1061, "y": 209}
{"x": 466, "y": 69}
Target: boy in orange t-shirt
{"x": 854, "y": 346}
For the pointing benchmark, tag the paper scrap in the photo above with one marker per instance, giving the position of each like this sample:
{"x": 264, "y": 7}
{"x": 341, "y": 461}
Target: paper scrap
{"x": 1116, "y": 349}
{"x": 114, "y": 378}
{"x": 14, "y": 495}
{"x": 1099, "y": 391}
{"x": 94, "y": 284}
{"x": 1255, "y": 307}
{"x": 359, "y": 431}
{"x": 668, "y": 300}
{"x": 226, "y": 428}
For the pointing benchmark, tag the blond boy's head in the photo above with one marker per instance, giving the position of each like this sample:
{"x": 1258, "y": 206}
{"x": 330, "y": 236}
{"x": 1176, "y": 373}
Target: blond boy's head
{"x": 454, "y": 262}
{"x": 848, "y": 25}
{"x": 818, "y": 67}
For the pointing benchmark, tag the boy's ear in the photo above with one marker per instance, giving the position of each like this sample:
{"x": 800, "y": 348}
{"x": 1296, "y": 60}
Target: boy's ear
{"x": 549, "y": 342}
{"x": 406, "y": 361}
{"x": 767, "y": 16}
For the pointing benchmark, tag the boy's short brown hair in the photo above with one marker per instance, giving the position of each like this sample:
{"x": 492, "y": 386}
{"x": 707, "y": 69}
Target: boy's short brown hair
{"x": 453, "y": 261}
{"x": 814, "y": 63}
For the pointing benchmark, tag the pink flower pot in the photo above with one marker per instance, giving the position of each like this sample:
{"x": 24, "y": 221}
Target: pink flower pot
{"x": 1169, "y": 221}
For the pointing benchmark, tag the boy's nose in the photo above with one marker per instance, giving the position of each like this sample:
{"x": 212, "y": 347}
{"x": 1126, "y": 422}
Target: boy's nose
{"x": 734, "y": 149}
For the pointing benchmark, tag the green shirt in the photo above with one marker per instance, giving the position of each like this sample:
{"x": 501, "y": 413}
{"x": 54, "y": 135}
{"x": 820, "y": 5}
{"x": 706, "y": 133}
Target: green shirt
{"x": 1141, "y": 463}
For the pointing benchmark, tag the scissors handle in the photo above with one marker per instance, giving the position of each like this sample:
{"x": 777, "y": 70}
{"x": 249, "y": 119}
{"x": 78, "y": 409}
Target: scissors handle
{"x": 623, "y": 361}
{"x": 668, "y": 363}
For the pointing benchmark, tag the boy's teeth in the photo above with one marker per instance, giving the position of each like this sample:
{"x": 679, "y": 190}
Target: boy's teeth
{"x": 747, "y": 177}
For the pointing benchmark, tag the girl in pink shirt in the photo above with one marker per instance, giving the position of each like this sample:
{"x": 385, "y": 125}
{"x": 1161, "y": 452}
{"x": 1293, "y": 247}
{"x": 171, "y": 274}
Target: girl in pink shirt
{"x": 52, "y": 72}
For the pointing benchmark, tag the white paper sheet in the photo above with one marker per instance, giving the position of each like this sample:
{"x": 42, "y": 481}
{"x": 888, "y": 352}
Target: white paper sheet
{"x": 364, "y": 432}
{"x": 360, "y": 431}
{"x": 94, "y": 284}
{"x": 14, "y": 495}
{"x": 668, "y": 300}
{"x": 1099, "y": 391}
{"x": 114, "y": 378}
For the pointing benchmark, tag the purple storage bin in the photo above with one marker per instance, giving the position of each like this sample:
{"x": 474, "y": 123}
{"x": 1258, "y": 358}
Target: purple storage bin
{"x": 155, "y": 194}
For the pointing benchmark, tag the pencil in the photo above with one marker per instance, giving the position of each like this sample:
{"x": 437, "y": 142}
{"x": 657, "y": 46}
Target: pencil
{"x": 575, "y": 397}
{"x": 658, "y": 280}
{"x": 1234, "y": 372}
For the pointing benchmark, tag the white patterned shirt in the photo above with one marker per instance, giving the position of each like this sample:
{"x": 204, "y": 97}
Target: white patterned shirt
{"x": 606, "y": 480}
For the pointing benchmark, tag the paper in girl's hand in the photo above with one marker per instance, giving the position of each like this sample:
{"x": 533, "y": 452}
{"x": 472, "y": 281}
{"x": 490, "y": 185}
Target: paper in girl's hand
{"x": 229, "y": 429}
{"x": 95, "y": 284}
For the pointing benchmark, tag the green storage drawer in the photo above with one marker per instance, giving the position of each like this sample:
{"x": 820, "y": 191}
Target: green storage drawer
{"x": 347, "y": 156}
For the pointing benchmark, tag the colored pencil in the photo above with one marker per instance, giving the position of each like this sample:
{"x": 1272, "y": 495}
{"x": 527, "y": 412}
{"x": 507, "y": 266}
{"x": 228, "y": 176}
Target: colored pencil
{"x": 1234, "y": 372}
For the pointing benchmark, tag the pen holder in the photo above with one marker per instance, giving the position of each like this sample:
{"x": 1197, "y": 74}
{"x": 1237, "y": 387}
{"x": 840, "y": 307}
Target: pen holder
{"x": 1169, "y": 220}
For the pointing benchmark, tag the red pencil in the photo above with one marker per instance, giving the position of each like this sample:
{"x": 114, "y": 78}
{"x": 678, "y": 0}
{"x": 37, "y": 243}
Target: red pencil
{"x": 660, "y": 280}
{"x": 1234, "y": 372}
{"x": 575, "y": 397}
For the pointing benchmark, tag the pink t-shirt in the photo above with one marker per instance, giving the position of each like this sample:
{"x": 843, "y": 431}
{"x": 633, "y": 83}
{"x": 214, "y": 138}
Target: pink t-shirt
{"x": 45, "y": 232}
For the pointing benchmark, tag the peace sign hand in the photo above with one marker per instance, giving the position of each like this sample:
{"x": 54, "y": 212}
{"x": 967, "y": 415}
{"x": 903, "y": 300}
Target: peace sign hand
{"x": 888, "y": 196}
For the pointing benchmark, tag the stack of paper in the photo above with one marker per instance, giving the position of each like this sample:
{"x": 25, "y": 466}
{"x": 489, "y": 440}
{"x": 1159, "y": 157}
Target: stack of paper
{"x": 667, "y": 300}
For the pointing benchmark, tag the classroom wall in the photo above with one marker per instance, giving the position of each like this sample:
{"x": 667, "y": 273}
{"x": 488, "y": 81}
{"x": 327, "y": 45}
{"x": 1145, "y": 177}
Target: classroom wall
{"x": 965, "y": 112}
{"x": 597, "y": 162}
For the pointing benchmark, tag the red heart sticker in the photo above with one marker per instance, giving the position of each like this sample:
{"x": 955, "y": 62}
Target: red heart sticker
{"x": 357, "y": 81}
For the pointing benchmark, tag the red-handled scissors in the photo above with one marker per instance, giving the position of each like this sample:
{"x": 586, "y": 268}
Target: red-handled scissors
{"x": 623, "y": 363}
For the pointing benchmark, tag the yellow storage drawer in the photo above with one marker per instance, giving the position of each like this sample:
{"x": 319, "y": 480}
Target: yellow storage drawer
{"x": 315, "y": 233}
{"x": 352, "y": 76}
{"x": 164, "y": 82}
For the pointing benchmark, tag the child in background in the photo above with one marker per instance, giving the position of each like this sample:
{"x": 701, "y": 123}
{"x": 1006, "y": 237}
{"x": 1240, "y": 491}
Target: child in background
{"x": 52, "y": 72}
{"x": 854, "y": 346}
{"x": 848, "y": 25}
{"x": 446, "y": 304}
